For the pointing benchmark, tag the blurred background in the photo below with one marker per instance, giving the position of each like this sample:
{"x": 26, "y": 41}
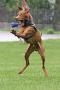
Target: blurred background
{"x": 46, "y": 14}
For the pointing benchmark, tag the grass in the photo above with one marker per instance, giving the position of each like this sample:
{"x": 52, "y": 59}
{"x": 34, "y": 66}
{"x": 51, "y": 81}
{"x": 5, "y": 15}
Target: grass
{"x": 12, "y": 60}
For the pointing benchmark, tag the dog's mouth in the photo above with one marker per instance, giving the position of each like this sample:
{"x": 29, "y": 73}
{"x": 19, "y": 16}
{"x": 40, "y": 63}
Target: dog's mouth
{"x": 21, "y": 21}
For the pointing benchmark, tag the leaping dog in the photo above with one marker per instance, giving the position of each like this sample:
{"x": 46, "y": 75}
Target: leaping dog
{"x": 31, "y": 35}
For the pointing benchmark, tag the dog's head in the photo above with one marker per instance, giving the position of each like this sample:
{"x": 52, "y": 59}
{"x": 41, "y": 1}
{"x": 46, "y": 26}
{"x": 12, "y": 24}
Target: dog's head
{"x": 21, "y": 14}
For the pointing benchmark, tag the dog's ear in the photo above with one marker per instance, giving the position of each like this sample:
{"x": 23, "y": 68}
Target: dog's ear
{"x": 20, "y": 8}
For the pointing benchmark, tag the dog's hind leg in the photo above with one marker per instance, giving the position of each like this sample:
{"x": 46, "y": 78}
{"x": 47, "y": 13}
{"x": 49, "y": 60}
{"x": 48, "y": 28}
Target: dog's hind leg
{"x": 27, "y": 54}
{"x": 41, "y": 52}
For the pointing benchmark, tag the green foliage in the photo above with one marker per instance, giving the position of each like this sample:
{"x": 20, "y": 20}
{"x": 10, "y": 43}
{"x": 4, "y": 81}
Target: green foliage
{"x": 38, "y": 3}
{"x": 10, "y": 4}
{"x": 48, "y": 30}
{"x": 58, "y": 5}
{"x": 32, "y": 3}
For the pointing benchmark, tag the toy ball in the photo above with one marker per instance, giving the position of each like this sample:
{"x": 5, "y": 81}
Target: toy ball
{"x": 14, "y": 24}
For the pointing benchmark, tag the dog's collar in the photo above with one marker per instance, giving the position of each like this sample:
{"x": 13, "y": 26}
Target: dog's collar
{"x": 27, "y": 22}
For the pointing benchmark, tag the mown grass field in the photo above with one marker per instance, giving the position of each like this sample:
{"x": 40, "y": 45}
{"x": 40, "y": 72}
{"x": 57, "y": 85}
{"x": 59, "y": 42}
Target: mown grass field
{"x": 12, "y": 60}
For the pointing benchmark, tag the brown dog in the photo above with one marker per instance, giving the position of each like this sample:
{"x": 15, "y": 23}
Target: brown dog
{"x": 32, "y": 36}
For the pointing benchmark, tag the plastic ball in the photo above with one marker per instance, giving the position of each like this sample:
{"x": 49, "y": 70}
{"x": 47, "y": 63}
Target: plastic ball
{"x": 14, "y": 24}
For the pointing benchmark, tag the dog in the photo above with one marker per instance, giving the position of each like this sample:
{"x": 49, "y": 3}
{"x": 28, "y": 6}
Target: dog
{"x": 31, "y": 35}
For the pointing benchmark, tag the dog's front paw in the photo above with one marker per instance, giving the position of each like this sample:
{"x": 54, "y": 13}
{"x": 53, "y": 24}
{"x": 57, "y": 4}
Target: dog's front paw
{"x": 13, "y": 32}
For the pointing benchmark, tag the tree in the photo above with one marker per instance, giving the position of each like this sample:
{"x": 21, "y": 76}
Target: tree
{"x": 58, "y": 5}
{"x": 32, "y": 3}
{"x": 57, "y": 8}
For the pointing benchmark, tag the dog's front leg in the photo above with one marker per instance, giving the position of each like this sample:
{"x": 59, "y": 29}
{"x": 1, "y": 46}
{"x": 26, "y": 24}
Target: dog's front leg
{"x": 18, "y": 34}
{"x": 14, "y": 32}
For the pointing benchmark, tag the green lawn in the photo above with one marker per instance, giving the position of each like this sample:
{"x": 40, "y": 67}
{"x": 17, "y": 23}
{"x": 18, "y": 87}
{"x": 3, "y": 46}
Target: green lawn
{"x": 12, "y": 60}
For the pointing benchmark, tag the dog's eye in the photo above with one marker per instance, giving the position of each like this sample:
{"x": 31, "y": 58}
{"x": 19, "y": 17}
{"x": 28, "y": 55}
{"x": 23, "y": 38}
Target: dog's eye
{"x": 20, "y": 14}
